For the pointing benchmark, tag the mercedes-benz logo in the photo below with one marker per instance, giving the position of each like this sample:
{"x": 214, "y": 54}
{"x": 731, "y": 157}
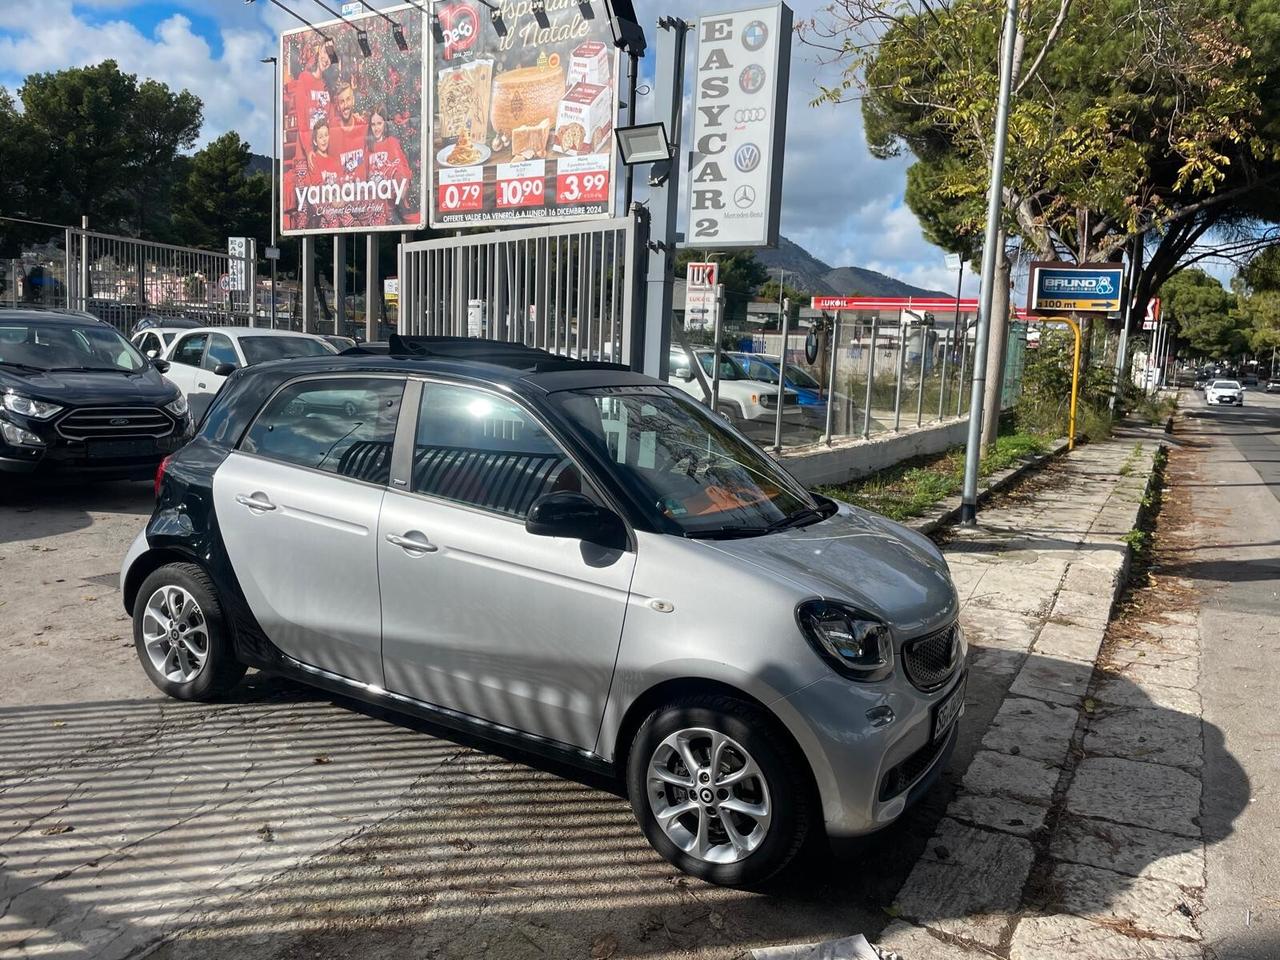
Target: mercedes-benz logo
{"x": 747, "y": 157}
{"x": 744, "y": 196}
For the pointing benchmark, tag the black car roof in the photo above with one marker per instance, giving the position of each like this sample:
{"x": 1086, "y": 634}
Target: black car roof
{"x": 56, "y": 315}
{"x": 487, "y": 360}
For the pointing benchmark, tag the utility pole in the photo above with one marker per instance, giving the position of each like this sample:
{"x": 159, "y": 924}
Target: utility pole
{"x": 1126, "y": 314}
{"x": 273, "y": 252}
{"x": 995, "y": 204}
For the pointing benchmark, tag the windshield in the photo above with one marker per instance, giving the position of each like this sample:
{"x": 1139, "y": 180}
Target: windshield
{"x": 729, "y": 369}
{"x": 1225, "y": 385}
{"x": 62, "y": 346}
{"x": 262, "y": 349}
{"x": 766, "y": 369}
{"x": 684, "y": 464}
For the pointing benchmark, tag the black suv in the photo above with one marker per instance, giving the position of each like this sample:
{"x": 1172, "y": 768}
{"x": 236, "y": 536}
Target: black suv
{"x": 76, "y": 395}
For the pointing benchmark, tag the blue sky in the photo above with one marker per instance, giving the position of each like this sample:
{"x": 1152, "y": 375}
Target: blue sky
{"x": 840, "y": 203}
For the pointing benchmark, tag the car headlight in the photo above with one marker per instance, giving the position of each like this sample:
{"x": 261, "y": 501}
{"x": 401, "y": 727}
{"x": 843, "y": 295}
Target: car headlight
{"x": 39, "y": 409}
{"x": 15, "y": 435}
{"x": 854, "y": 643}
{"x": 177, "y": 407}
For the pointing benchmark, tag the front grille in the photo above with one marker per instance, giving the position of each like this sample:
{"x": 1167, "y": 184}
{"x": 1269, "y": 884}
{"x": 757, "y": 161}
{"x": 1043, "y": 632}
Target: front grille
{"x": 104, "y": 423}
{"x": 770, "y": 400}
{"x": 930, "y": 661}
{"x": 905, "y": 774}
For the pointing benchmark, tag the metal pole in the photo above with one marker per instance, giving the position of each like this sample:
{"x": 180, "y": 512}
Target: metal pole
{"x": 782, "y": 375}
{"x": 715, "y": 348}
{"x": 924, "y": 339}
{"x": 307, "y": 277}
{"x": 339, "y": 284}
{"x": 946, "y": 354}
{"x": 275, "y": 173}
{"x": 834, "y": 347}
{"x": 995, "y": 204}
{"x": 902, "y": 369}
{"x": 1126, "y": 315}
{"x": 871, "y": 379}
{"x": 372, "y": 284}
{"x": 654, "y": 340}
{"x": 66, "y": 272}
{"x": 629, "y": 173}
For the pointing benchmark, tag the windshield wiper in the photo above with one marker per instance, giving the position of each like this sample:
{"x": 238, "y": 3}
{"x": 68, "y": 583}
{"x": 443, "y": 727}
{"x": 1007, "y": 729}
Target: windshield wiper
{"x": 21, "y": 366}
{"x": 803, "y": 517}
{"x": 725, "y": 533}
{"x": 88, "y": 370}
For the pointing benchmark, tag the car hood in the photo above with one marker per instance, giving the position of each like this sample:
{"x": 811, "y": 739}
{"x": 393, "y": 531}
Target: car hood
{"x": 863, "y": 559}
{"x": 90, "y": 387}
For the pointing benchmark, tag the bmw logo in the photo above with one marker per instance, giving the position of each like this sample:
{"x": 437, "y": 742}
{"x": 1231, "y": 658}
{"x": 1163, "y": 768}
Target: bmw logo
{"x": 751, "y": 80}
{"x": 747, "y": 157}
{"x": 756, "y": 35}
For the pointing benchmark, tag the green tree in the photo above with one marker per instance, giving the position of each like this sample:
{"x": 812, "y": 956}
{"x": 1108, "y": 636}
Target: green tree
{"x": 740, "y": 273}
{"x": 220, "y": 198}
{"x": 162, "y": 123}
{"x": 1129, "y": 119}
{"x": 1257, "y": 288}
{"x": 1204, "y": 314}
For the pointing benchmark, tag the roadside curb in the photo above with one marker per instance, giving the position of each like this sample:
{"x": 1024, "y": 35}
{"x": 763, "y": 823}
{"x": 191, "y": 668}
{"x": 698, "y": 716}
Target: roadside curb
{"x": 949, "y": 509}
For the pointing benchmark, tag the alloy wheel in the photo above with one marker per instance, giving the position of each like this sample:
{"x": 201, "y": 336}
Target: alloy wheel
{"x": 708, "y": 795}
{"x": 175, "y": 634}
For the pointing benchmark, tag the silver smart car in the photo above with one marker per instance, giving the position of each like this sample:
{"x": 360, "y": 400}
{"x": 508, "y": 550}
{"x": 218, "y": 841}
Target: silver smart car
{"x": 571, "y": 558}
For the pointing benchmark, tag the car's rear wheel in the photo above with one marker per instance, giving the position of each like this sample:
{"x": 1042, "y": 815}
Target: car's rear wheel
{"x": 181, "y": 636}
{"x": 719, "y": 790}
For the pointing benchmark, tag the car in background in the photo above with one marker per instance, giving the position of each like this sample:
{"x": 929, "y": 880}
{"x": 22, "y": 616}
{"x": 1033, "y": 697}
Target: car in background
{"x": 1201, "y": 381}
{"x": 741, "y": 399}
{"x": 153, "y": 342}
{"x": 1224, "y": 392}
{"x": 340, "y": 343}
{"x": 152, "y": 322}
{"x": 200, "y": 360}
{"x": 1273, "y": 385}
{"x": 813, "y": 403}
{"x": 1249, "y": 380}
{"x": 77, "y": 397}
{"x": 569, "y": 559}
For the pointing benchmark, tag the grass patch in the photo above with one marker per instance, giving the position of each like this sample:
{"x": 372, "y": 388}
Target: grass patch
{"x": 912, "y": 488}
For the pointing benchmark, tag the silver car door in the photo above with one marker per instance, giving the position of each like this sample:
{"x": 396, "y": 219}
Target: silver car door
{"x": 478, "y": 615}
{"x": 297, "y": 505}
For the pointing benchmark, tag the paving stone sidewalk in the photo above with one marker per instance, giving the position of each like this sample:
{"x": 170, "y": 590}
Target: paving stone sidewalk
{"x": 1075, "y": 831}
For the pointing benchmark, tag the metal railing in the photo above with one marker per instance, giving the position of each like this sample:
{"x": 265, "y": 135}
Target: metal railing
{"x": 123, "y": 279}
{"x": 563, "y": 288}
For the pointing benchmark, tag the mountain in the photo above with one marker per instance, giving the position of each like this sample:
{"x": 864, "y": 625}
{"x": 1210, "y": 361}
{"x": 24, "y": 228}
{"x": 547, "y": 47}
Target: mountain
{"x": 808, "y": 273}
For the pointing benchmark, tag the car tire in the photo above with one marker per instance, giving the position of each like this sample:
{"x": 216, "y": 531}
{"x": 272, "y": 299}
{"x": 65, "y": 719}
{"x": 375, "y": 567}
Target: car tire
{"x": 181, "y": 636}
{"x": 731, "y": 413}
{"x": 749, "y": 736}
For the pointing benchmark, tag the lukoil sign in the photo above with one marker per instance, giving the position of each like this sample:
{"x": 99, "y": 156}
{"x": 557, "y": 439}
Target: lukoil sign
{"x": 740, "y": 121}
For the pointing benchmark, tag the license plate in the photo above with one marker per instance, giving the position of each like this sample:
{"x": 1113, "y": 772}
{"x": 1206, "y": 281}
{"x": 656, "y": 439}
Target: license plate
{"x": 106, "y": 449}
{"x": 946, "y": 711}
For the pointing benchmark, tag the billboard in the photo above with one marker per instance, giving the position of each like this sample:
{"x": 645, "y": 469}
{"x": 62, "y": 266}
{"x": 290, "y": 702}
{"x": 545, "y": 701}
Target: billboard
{"x": 521, "y": 114}
{"x": 1085, "y": 287}
{"x": 739, "y": 124}
{"x": 352, "y": 132}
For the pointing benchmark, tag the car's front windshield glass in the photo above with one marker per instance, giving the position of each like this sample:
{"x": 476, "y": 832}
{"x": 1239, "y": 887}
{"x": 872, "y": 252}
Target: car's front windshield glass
{"x": 685, "y": 465}
{"x": 262, "y": 349}
{"x": 729, "y": 369}
{"x": 64, "y": 346}
{"x": 1225, "y": 385}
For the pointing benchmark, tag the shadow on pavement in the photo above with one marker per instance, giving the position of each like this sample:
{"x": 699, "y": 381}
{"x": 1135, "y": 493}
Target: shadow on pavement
{"x": 284, "y": 823}
{"x": 42, "y": 509}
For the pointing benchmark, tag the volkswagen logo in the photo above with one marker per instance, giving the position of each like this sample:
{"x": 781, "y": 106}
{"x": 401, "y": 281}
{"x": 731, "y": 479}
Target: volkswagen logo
{"x": 119, "y": 421}
{"x": 744, "y": 196}
{"x": 752, "y": 78}
{"x": 756, "y": 35}
{"x": 750, "y": 115}
{"x": 747, "y": 157}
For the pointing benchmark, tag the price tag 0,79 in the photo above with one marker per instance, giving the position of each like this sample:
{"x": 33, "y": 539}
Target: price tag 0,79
{"x": 459, "y": 196}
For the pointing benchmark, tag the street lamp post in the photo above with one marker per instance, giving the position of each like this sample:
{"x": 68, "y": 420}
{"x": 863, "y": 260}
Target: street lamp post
{"x": 274, "y": 253}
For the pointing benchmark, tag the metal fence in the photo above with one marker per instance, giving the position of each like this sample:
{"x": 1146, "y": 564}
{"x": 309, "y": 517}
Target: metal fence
{"x": 122, "y": 279}
{"x": 564, "y": 288}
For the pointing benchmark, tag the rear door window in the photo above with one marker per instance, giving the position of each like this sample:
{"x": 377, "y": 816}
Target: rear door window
{"x": 190, "y": 350}
{"x": 341, "y": 425}
{"x": 221, "y": 350}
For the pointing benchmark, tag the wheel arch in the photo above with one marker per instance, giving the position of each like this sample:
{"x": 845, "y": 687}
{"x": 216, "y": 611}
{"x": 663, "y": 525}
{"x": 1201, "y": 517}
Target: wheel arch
{"x": 147, "y": 564}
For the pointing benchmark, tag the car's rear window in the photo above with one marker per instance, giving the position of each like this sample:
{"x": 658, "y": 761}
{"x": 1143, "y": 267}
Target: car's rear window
{"x": 262, "y": 349}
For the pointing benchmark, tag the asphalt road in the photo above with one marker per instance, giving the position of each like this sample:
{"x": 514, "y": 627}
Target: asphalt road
{"x": 1236, "y": 563}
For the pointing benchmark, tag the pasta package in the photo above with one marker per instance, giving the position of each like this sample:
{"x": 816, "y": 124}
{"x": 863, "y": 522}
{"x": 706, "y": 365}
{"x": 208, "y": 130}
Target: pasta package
{"x": 464, "y": 96}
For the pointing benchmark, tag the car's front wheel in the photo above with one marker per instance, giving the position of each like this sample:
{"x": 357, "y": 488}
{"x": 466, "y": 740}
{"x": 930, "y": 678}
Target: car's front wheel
{"x": 719, "y": 791}
{"x": 181, "y": 636}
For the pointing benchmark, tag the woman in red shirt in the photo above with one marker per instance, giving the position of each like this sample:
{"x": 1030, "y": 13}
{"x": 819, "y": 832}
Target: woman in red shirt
{"x": 385, "y": 160}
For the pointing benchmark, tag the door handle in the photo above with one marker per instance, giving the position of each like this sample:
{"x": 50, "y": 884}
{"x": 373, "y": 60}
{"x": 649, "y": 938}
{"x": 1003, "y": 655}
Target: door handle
{"x": 412, "y": 544}
{"x": 253, "y": 503}
{"x": 201, "y": 386}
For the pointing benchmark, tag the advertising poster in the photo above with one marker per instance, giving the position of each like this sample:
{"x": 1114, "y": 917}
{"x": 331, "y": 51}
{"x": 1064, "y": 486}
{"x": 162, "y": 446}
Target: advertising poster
{"x": 1085, "y": 287}
{"x": 352, "y": 137}
{"x": 739, "y": 125}
{"x": 522, "y": 113}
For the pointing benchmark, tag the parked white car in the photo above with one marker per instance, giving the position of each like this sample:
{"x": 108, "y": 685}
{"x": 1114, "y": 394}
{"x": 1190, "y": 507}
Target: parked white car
{"x": 200, "y": 360}
{"x": 741, "y": 398}
{"x": 1224, "y": 391}
{"x": 154, "y": 342}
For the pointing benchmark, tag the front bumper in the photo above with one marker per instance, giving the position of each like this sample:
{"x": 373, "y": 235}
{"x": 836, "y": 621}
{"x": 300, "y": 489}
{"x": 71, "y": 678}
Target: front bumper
{"x": 867, "y": 776}
{"x": 60, "y": 455}
{"x": 1228, "y": 400}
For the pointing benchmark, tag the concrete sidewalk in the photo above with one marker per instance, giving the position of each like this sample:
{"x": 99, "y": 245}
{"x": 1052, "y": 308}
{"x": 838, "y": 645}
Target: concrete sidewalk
{"x": 1075, "y": 830}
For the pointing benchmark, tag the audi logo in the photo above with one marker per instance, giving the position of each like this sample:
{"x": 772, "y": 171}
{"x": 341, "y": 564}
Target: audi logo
{"x": 750, "y": 115}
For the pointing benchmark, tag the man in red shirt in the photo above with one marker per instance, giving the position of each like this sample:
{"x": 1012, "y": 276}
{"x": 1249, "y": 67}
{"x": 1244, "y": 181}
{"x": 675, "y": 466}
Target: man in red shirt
{"x": 348, "y": 135}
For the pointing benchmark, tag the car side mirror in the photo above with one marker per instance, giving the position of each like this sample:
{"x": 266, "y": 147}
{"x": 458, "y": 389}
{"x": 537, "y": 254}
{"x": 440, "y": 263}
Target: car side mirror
{"x": 684, "y": 374}
{"x": 224, "y": 369}
{"x": 152, "y": 353}
{"x": 577, "y": 517}
{"x": 161, "y": 365}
